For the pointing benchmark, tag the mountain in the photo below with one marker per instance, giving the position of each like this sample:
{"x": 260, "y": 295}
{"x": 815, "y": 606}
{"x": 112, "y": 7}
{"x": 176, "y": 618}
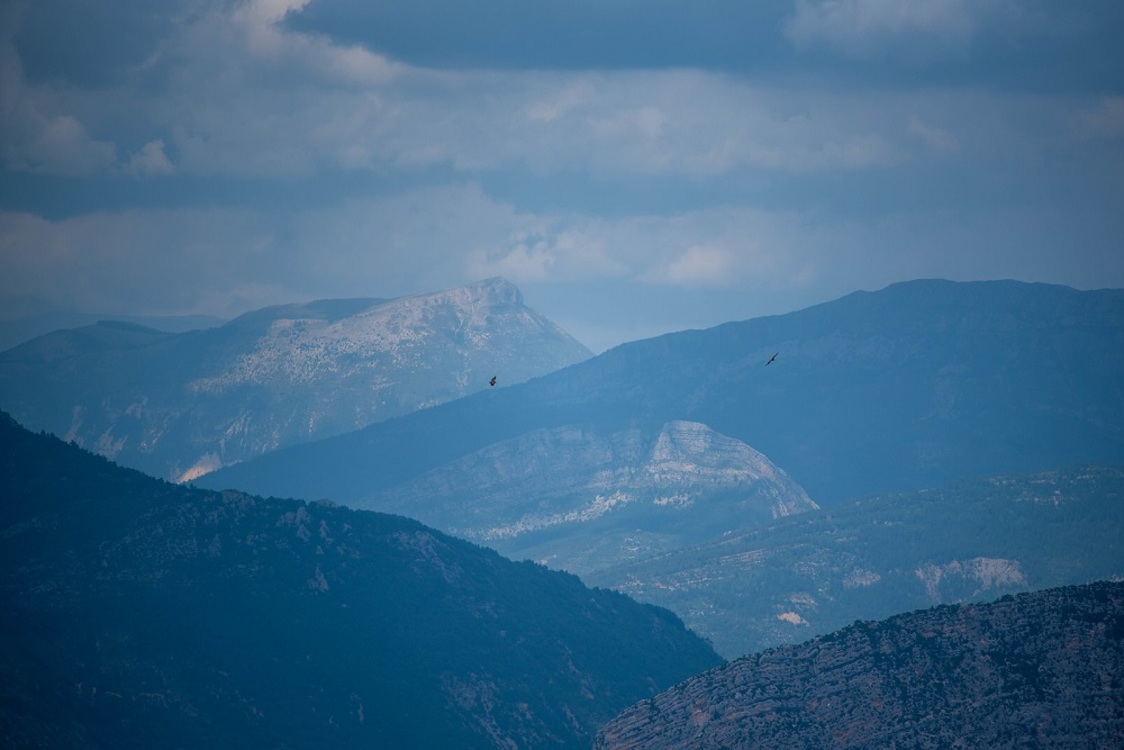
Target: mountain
{"x": 17, "y": 330}
{"x": 1043, "y": 670}
{"x": 582, "y": 500}
{"x": 180, "y": 405}
{"x": 137, "y": 613}
{"x": 912, "y": 386}
{"x": 815, "y": 572}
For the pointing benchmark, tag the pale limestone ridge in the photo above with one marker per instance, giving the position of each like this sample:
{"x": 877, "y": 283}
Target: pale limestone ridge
{"x": 572, "y": 488}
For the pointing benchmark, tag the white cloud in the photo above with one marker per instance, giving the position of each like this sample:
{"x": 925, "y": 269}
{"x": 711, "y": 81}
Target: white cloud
{"x": 150, "y": 161}
{"x": 264, "y": 39}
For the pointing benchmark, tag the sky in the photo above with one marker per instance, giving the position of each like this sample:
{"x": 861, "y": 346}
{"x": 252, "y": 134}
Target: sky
{"x": 634, "y": 166}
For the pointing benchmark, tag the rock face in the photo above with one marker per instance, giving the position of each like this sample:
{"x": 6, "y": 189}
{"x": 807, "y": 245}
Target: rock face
{"x": 805, "y": 575}
{"x": 1042, "y": 670}
{"x": 180, "y": 405}
{"x": 581, "y": 499}
{"x": 137, "y": 613}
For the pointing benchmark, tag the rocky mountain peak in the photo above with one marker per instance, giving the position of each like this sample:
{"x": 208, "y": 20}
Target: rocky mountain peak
{"x": 496, "y": 291}
{"x": 182, "y": 405}
{"x": 685, "y": 450}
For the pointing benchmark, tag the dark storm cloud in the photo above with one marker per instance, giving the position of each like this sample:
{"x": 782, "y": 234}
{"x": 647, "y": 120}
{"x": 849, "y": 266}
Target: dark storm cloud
{"x": 90, "y": 43}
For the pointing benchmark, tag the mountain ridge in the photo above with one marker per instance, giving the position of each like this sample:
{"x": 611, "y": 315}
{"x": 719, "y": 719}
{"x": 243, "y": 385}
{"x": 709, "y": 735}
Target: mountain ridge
{"x": 1044, "y": 669}
{"x": 581, "y": 499}
{"x": 931, "y": 380}
{"x": 180, "y": 405}
{"x": 138, "y": 613}
{"x": 808, "y": 574}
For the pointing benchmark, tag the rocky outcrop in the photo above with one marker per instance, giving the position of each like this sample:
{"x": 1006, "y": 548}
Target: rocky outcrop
{"x": 809, "y": 574}
{"x": 1042, "y": 670}
{"x": 583, "y": 499}
{"x": 181, "y": 405}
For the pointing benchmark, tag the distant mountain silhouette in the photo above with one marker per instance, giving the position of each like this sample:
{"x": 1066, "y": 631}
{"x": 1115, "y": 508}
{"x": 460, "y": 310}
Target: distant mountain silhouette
{"x": 912, "y": 386}
{"x": 136, "y": 613}
{"x": 1043, "y": 670}
{"x": 18, "y": 330}
{"x": 180, "y": 405}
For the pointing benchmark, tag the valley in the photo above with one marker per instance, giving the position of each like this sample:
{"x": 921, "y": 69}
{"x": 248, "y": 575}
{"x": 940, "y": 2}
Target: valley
{"x": 360, "y": 514}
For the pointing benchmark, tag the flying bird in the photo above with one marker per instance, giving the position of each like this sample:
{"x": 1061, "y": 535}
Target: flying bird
{"x": 771, "y": 359}
{"x": 492, "y": 381}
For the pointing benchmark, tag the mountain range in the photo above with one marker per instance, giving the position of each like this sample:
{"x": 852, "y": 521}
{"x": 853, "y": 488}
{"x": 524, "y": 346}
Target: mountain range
{"x": 912, "y": 386}
{"x": 922, "y": 385}
{"x": 812, "y": 573}
{"x": 178, "y": 405}
{"x": 1042, "y": 670}
{"x": 135, "y": 613}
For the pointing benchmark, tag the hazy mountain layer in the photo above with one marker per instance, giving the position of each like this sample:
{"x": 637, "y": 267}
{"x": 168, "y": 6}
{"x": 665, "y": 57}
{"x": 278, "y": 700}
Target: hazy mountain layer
{"x": 912, "y": 386}
{"x": 15, "y": 331}
{"x": 180, "y": 405}
{"x": 1043, "y": 670}
{"x": 818, "y": 571}
{"x": 582, "y": 500}
{"x": 138, "y": 614}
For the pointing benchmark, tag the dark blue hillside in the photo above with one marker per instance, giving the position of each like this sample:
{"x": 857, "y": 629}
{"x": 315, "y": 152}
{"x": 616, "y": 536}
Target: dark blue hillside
{"x": 135, "y": 613}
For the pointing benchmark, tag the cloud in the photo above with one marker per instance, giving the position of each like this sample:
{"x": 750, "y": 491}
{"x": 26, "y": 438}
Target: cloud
{"x": 260, "y": 21}
{"x": 244, "y": 95}
{"x": 701, "y": 265}
{"x": 576, "y": 96}
{"x": 933, "y": 137}
{"x": 918, "y": 30}
{"x": 185, "y": 261}
{"x": 1102, "y": 120}
{"x": 37, "y": 135}
{"x": 150, "y": 161}
{"x": 521, "y": 263}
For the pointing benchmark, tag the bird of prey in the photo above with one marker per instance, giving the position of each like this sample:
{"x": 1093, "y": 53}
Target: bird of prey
{"x": 492, "y": 381}
{"x": 771, "y": 359}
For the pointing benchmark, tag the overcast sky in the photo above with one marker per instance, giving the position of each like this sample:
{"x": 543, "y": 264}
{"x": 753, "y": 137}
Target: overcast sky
{"x": 635, "y": 166}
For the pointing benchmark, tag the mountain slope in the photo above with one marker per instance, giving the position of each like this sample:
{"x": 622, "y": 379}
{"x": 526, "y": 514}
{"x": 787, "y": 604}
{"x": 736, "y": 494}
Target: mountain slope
{"x": 177, "y": 406}
{"x": 869, "y": 559}
{"x": 912, "y": 386}
{"x": 136, "y": 613}
{"x": 1041, "y": 670}
{"x": 581, "y": 500}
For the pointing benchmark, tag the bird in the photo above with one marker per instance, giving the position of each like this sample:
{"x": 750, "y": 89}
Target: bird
{"x": 771, "y": 359}
{"x": 492, "y": 381}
